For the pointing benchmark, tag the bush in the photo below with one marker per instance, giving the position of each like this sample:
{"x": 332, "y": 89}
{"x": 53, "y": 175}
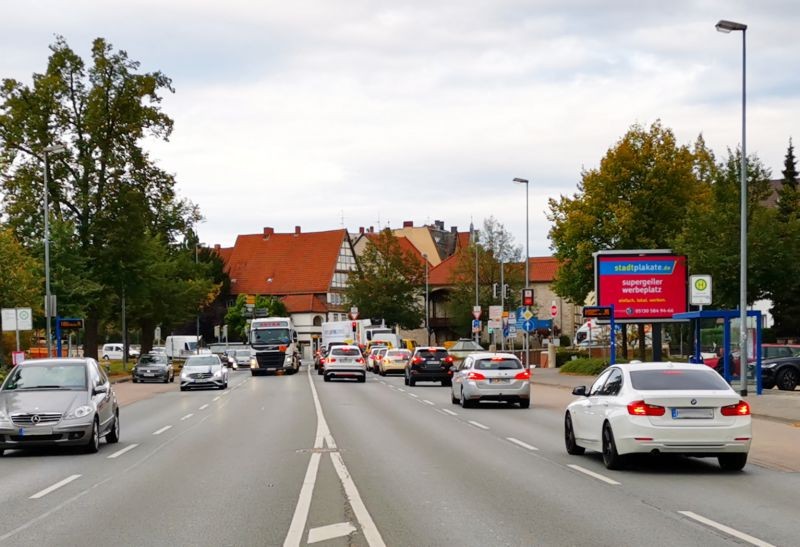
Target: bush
{"x": 585, "y": 366}
{"x": 565, "y": 341}
{"x": 566, "y": 355}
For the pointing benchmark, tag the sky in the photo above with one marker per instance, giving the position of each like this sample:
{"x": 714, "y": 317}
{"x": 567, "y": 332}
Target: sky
{"x": 348, "y": 113}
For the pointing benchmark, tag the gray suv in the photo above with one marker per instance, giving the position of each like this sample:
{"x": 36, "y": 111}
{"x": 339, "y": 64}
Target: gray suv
{"x": 57, "y": 402}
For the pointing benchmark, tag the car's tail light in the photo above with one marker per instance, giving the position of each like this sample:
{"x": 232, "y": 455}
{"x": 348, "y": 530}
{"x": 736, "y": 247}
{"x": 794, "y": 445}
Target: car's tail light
{"x": 640, "y": 408}
{"x": 360, "y": 360}
{"x": 524, "y": 375}
{"x": 322, "y": 361}
{"x": 475, "y": 376}
{"x": 416, "y": 360}
{"x": 739, "y": 409}
{"x": 448, "y": 359}
{"x": 330, "y": 360}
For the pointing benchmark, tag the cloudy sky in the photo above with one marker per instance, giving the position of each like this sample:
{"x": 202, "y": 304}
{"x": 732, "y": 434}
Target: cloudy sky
{"x": 330, "y": 113}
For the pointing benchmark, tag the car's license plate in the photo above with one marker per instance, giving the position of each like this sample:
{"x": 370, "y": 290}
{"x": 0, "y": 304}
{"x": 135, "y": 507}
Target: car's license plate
{"x": 692, "y": 413}
{"x": 149, "y": 373}
{"x": 433, "y": 362}
{"x": 498, "y": 381}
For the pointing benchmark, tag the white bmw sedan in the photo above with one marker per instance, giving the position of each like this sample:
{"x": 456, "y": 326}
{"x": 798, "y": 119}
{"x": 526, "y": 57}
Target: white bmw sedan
{"x": 674, "y": 408}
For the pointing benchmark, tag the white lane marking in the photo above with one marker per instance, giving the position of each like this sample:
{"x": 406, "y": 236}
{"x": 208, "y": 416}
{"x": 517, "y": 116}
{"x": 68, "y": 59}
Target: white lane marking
{"x": 428, "y": 402}
{"x": 162, "y": 430}
{"x": 597, "y": 476}
{"x": 478, "y": 425}
{"x": 449, "y": 412}
{"x": 728, "y": 530}
{"x": 187, "y": 416}
{"x": 391, "y": 386}
{"x": 413, "y": 395}
{"x": 324, "y": 533}
{"x": 206, "y": 406}
{"x": 401, "y": 389}
{"x": 224, "y": 393}
{"x": 215, "y": 399}
{"x": 119, "y": 453}
{"x": 56, "y": 486}
{"x": 520, "y": 443}
{"x": 384, "y": 383}
{"x": 300, "y": 517}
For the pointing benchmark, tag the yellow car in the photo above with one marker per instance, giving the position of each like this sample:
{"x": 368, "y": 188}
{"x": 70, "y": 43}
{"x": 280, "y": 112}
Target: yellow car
{"x": 394, "y": 360}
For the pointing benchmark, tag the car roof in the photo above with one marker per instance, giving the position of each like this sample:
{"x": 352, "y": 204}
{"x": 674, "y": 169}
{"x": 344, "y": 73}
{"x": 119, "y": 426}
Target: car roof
{"x": 58, "y": 361}
{"x": 348, "y": 346}
{"x": 490, "y": 355}
{"x": 662, "y": 365}
{"x": 430, "y": 348}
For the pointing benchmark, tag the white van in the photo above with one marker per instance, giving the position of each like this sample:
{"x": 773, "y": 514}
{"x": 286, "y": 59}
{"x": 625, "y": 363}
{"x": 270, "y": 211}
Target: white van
{"x": 180, "y": 347}
{"x": 114, "y": 352}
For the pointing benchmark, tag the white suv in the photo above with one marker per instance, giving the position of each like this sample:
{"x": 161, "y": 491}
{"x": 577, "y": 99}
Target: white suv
{"x": 345, "y": 362}
{"x": 114, "y": 352}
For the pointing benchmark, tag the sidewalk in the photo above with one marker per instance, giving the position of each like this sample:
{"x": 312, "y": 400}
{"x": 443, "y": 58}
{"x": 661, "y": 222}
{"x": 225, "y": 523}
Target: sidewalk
{"x": 782, "y": 406}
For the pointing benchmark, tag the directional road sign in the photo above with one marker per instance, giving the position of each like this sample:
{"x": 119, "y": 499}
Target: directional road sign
{"x": 476, "y": 312}
{"x": 476, "y": 325}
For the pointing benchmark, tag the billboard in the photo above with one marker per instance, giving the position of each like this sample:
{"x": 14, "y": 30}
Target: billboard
{"x": 643, "y": 286}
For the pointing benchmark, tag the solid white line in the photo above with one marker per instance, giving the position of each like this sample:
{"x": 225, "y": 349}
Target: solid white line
{"x": 215, "y": 399}
{"x": 119, "y": 453}
{"x": 730, "y": 531}
{"x": 56, "y": 486}
{"x": 597, "y": 476}
{"x": 449, "y": 412}
{"x": 324, "y": 533}
{"x": 479, "y": 425}
{"x": 428, "y": 402}
{"x": 224, "y": 393}
{"x": 384, "y": 383}
{"x": 413, "y": 395}
{"x": 162, "y": 430}
{"x": 520, "y": 443}
{"x": 206, "y": 406}
{"x": 187, "y": 416}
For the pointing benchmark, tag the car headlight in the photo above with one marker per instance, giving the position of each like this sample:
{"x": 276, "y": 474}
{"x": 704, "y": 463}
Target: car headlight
{"x": 218, "y": 374}
{"x": 80, "y": 412}
{"x": 253, "y": 363}
{"x": 769, "y": 365}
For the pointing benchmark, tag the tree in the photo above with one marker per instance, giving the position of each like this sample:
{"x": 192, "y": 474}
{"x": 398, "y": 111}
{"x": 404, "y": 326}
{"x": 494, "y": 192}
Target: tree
{"x": 636, "y": 199}
{"x": 19, "y": 281}
{"x": 788, "y": 200}
{"x": 388, "y": 284}
{"x": 238, "y": 315}
{"x": 107, "y": 195}
{"x": 499, "y": 241}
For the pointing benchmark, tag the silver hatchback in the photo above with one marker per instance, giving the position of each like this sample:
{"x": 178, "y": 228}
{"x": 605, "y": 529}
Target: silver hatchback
{"x": 491, "y": 377}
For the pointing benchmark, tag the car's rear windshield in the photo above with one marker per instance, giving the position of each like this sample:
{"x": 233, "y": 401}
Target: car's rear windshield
{"x": 398, "y": 353}
{"x": 347, "y": 352}
{"x": 242, "y": 353}
{"x": 435, "y": 354}
{"x": 497, "y": 364}
{"x": 202, "y": 361}
{"x": 683, "y": 380}
{"x": 33, "y": 377}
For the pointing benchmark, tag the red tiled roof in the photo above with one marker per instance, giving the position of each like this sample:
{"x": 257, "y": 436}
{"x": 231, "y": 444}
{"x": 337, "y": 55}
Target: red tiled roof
{"x": 405, "y": 245}
{"x": 542, "y": 269}
{"x": 225, "y": 253}
{"x": 443, "y": 273}
{"x": 463, "y": 239}
{"x": 296, "y": 263}
{"x": 299, "y": 303}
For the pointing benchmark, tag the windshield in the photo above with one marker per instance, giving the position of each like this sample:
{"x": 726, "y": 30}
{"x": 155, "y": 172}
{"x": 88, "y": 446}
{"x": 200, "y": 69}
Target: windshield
{"x": 31, "y": 377}
{"x": 432, "y": 354}
{"x": 152, "y": 360}
{"x": 202, "y": 361}
{"x": 497, "y": 364}
{"x": 270, "y": 336}
{"x": 683, "y": 380}
{"x": 242, "y": 353}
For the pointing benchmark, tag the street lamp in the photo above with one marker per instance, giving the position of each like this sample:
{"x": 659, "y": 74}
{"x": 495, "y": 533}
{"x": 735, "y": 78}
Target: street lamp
{"x": 197, "y": 317}
{"x": 427, "y": 300}
{"x": 48, "y": 305}
{"x": 727, "y": 27}
{"x": 527, "y": 260}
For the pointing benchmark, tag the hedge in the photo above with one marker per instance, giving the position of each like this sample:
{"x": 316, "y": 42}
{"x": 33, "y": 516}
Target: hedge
{"x": 586, "y": 366}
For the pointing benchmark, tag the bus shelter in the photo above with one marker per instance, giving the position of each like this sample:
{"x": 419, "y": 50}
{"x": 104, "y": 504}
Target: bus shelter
{"x": 727, "y": 316}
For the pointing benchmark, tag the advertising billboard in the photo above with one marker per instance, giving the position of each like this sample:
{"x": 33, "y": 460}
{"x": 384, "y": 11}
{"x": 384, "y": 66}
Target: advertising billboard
{"x": 643, "y": 286}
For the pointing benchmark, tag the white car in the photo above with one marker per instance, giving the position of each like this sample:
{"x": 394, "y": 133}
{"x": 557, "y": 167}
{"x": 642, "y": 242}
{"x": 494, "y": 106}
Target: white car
{"x": 675, "y": 408}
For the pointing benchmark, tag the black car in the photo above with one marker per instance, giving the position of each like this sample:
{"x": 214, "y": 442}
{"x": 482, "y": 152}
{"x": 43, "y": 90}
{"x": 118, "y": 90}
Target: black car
{"x": 429, "y": 364}
{"x": 153, "y": 367}
{"x": 783, "y": 372}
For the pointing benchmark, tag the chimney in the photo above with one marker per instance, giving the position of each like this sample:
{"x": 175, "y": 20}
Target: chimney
{"x": 439, "y": 224}
{"x": 360, "y": 229}
{"x": 408, "y": 224}
{"x": 217, "y": 247}
{"x": 371, "y": 229}
{"x": 453, "y": 229}
{"x": 297, "y": 230}
{"x": 268, "y": 231}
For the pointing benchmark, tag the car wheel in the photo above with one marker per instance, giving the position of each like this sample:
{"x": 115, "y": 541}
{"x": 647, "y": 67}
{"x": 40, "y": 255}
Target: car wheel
{"x": 252, "y": 372}
{"x": 225, "y": 385}
{"x": 382, "y": 372}
{"x": 453, "y": 398}
{"x": 2, "y": 451}
{"x": 732, "y": 462}
{"x": 362, "y": 379}
{"x": 465, "y": 403}
{"x": 766, "y": 385}
{"x": 787, "y": 379}
{"x": 447, "y": 383}
{"x": 320, "y": 372}
{"x": 113, "y": 435}
{"x": 105, "y": 357}
{"x": 412, "y": 382}
{"x": 166, "y": 379}
{"x": 524, "y": 403}
{"x": 405, "y": 380}
{"x": 326, "y": 377}
{"x": 94, "y": 441}
{"x": 135, "y": 381}
{"x": 611, "y": 457}
{"x": 569, "y": 438}
{"x": 183, "y": 388}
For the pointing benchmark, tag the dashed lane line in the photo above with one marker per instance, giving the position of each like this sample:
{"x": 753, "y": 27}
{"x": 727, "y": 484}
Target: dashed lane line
{"x": 426, "y": 401}
{"x": 597, "y": 476}
{"x": 162, "y": 430}
{"x": 478, "y": 424}
{"x": 119, "y": 453}
{"x": 205, "y": 406}
{"x": 187, "y": 416}
{"x": 521, "y": 443}
{"x": 450, "y": 412}
{"x": 413, "y": 395}
{"x": 53, "y": 488}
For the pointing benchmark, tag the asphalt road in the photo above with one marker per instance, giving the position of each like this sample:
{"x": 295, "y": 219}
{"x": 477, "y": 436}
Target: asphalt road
{"x": 288, "y": 460}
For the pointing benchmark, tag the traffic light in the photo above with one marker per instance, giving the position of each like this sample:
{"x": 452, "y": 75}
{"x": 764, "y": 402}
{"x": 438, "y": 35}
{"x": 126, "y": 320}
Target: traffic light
{"x": 506, "y": 291}
{"x": 527, "y": 297}
{"x": 354, "y": 324}
{"x": 494, "y": 290}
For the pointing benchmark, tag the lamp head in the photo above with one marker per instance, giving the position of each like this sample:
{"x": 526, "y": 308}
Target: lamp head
{"x": 728, "y": 26}
{"x": 55, "y": 149}
{"x": 521, "y": 181}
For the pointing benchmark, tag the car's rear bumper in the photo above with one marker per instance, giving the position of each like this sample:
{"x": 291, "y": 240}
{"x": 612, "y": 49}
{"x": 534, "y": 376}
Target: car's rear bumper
{"x": 696, "y": 439}
{"x": 422, "y": 375}
{"x": 512, "y": 391}
{"x": 345, "y": 372}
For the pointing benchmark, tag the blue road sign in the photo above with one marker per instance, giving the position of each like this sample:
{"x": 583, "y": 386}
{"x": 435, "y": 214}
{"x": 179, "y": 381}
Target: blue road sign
{"x": 476, "y": 325}
{"x": 529, "y": 325}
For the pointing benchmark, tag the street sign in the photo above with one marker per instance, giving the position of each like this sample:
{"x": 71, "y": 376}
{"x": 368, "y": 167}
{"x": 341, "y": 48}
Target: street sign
{"x": 700, "y": 290}
{"x": 354, "y": 313}
{"x": 476, "y": 312}
{"x": 597, "y": 312}
{"x": 512, "y": 331}
{"x": 527, "y": 297}
{"x": 527, "y": 315}
{"x": 17, "y": 319}
{"x": 529, "y": 325}
{"x": 495, "y": 312}
{"x": 70, "y": 323}
{"x": 250, "y": 299}
{"x": 495, "y": 323}
{"x": 476, "y": 325}
{"x": 554, "y": 310}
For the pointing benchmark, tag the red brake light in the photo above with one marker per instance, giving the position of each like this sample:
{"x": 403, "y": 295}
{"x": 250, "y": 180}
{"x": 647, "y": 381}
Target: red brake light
{"x": 640, "y": 408}
{"x": 360, "y": 360}
{"x": 416, "y": 360}
{"x": 331, "y": 360}
{"x": 475, "y": 376}
{"x": 322, "y": 360}
{"x": 524, "y": 375}
{"x": 739, "y": 409}
{"x": 448, "y": 359}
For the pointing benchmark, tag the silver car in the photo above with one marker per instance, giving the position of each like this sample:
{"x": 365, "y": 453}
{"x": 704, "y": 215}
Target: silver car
{"x": 57, "y": 402}
{"x": 204, "y": 371}
{"x": 491, "y": 377}
{"x": 345, "y": 362}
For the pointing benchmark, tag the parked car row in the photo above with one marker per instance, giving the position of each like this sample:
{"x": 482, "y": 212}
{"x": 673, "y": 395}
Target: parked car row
{"x": 780, "y": 365}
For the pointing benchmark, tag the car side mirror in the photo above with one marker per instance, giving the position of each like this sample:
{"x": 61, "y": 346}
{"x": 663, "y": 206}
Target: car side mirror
{"x": 99, "y": 389}
{"x": 453, "y": 368}
{"x": 580, "y": 391}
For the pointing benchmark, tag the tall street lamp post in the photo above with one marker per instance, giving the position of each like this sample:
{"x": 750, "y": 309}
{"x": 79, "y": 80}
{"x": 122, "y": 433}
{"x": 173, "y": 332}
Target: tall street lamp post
{"x": 197, "y": 317}
{"x": 427, "y": 303}
{"x": 726, "y": 27}
{"x": 48, "y": 306}
{"x": 527, "y": 261}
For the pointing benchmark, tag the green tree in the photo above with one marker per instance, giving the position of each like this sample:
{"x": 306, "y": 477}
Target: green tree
{"x": 20, "y": 278}
{"x": 496, "y": 239}
{"x": 238, "y": 316}
{"x": 104, "y": 189}
{"x": 636, "y": 199}
{"x": 388, "y": 284}
{"x": 788, "y": 200}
